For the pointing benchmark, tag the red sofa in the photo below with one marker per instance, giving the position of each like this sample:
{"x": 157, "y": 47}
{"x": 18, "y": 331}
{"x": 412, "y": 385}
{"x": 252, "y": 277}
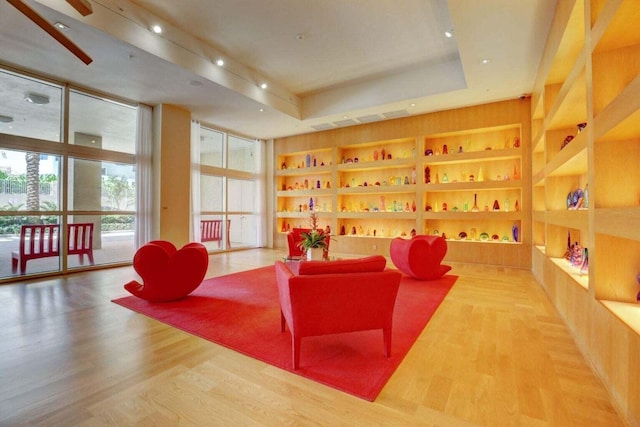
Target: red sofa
{"x": 332, "y": 297}
{"x": 168, "y": 274}
{"x": 420, "y": 256}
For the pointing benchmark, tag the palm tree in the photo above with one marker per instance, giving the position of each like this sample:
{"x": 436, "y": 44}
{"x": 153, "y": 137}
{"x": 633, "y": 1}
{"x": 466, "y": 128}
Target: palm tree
{"x": 33, "y": 182}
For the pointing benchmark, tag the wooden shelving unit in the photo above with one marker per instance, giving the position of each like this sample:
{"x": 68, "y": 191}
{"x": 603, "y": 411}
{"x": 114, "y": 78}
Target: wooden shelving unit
{"x": 368, "y": 200}
{"x": 590, "y": 73}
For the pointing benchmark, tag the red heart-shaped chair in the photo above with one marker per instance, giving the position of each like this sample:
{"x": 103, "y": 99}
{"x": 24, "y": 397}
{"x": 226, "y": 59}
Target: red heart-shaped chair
{"x": 168, "y": 274}
{"x": 420, "y": 257}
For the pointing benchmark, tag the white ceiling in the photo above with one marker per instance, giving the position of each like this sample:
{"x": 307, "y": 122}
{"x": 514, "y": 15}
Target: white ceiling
{"x": 328, "y": 63}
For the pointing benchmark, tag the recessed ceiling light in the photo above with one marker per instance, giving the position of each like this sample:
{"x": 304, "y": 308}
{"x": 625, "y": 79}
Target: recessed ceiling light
{"x": 448, "y": 33}
{"x": 413, "y": 104}
{"x": 36, "y": 98}
{"x": 486, "y": 61}
{"x": 220, "y": 62}
{"x": 59, "y": 25}
{"x": 6, "y": 119}
{"x": 261, "y": 110}
{"x": 156, "y": 29}
{"x": 264, "y": 86}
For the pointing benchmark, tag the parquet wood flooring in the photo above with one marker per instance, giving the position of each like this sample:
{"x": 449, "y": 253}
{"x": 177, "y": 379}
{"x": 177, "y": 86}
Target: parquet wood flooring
{"x": 494, "y": 354}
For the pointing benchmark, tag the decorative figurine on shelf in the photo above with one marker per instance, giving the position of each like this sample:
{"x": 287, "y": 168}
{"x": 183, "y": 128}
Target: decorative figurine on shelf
{"x": 507, "y": 205}
{"x": 585, "y": 197}
{"x": 496, "y": 205}
{"x": 314, "y": 162}
{"x": 517, "y": 206}
{"x": 445, "y": 178}
{"x": 581, "y": 126}
{"x": 428, "y": 152}
{"x": 311, "y": 204}
{"x": 308, "y": 160}
{"x": 638, "y": 280}
{"x": 567, "y": 251}
{"x": 427, "y": 174}
{"x": 515, "y": 231}
{"x": 516, "y": 142}
{"x": 584, "y": 268}
{"x": 283, "y": 165}
{"x": 384, "y": 154}
{"x": 342, "y": 230}
{"x": 376, "y": 155}
{"x": 475, "y": 207}
{"x": 445, "y": 149}
{"x": 566, "y": 141}
{"x": 413, "y": 206}
{"x": 576, "y": 255}
{"x": 383, "y": 206}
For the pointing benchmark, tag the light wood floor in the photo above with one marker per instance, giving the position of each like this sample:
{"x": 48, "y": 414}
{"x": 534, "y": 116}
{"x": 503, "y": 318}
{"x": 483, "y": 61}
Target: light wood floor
{"x": 494, "y": 354}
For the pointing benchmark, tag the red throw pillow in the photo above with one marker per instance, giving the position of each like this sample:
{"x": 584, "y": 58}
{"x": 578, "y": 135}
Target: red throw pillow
{"x": 358, "y": 265}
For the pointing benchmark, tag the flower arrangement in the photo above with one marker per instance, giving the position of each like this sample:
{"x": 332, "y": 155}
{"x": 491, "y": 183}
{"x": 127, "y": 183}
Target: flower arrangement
{"x": 316, "y": 238}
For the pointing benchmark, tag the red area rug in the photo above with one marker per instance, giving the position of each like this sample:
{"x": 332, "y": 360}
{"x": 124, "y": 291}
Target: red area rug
{"x": 241, "y": 311}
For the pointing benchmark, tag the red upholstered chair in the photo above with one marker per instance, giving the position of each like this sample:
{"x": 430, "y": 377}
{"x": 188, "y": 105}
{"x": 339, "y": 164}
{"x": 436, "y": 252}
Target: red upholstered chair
{"x": 420, "y": 257}
{"x": 168, "y": 274}
{"x": 332, "y": 297}
{"x": 293, "y": 238}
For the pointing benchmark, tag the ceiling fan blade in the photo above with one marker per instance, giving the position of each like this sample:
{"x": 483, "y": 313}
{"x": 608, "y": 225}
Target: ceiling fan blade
{"x": 53, "y": 32}
{"x": 82, "y": 6}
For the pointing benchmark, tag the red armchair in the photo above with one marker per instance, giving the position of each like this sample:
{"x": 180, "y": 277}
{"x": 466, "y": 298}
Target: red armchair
{"x": 332, "y": 297}
{"x": 168, "y": 274}
{"x": 420, "y": 257}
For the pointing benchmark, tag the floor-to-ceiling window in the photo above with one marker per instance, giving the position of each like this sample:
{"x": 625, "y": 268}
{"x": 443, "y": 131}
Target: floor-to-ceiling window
{"x": 230, "y": 190}
{"x": 67, "y": 157}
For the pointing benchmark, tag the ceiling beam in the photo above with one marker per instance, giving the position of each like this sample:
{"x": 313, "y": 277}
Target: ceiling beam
{"x": 51, "y": 30}
{"x": 82, "y": 6}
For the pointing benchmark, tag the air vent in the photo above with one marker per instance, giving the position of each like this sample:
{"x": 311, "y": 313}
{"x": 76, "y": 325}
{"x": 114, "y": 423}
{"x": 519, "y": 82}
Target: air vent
{"x": 323, "y": 126}
{"x": 345, "y": 122}
{"x": 396, "y": 114}
{"x": 370, "y": 118}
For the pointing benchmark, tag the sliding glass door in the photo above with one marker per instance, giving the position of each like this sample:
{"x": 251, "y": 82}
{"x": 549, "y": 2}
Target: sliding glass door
{"x": 62, "y": 170}
{"x": 229, "y": 190}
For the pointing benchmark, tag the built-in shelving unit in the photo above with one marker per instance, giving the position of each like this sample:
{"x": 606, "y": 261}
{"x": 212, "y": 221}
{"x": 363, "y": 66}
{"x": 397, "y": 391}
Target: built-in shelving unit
{"x": 590, "y": 73}
{"x": 423, "y": 175}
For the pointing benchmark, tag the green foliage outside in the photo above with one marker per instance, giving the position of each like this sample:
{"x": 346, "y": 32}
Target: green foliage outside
{"x": 116, "y": 188}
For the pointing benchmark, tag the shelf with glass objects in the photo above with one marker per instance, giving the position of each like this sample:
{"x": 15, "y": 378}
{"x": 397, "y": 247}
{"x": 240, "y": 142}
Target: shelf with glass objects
{"x": 473, "y": 144}
{"x": 377, "y": 155}
{"x": 376, "y": 188}
{"x": 303, "y": 177}
{"x": 616, "y": 151}
{"x": 382, "y": 227}
{"x": 567, "y": 248}
{"x": 475, "y": 230}
{"x": 303, "y": 162}
{"x": 489, "y": 215}
{"x": 294, "y": 212}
